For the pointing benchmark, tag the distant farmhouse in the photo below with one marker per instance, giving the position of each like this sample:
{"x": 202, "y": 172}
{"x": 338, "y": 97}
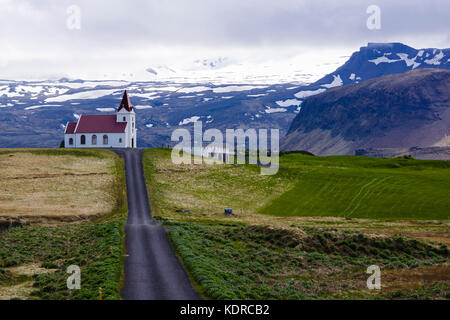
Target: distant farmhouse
{"x": 104, "y": 131}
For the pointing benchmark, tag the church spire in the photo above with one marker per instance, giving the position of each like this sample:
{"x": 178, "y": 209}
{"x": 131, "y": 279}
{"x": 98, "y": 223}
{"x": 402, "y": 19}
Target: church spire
{"x": 125, "y": 103}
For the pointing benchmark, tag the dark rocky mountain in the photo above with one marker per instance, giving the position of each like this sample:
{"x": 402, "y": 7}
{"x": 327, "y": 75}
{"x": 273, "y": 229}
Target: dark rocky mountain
{"x": 378, "y": 59}
{"x": 32, "y": 114}
{"x": 398, "y": 111}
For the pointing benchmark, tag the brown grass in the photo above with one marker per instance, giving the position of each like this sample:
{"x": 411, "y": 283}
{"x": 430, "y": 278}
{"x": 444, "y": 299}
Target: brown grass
{"x": 42, "y": 187}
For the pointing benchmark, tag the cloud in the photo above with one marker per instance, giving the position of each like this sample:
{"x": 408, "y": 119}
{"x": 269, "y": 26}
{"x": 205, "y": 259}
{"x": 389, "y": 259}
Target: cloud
{"x": 36, "y": 31}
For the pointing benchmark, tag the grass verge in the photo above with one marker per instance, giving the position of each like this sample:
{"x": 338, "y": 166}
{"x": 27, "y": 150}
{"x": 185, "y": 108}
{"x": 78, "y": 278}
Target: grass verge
{"x": 247, "y": 262}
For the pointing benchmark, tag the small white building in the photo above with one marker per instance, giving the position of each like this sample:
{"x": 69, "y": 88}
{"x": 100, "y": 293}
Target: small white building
{"x": 220, "y": 152}
{"x": 104, "y": 131}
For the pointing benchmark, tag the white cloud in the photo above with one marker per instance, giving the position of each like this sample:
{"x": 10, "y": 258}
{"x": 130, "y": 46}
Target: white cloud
{"x": 120, "y": 39}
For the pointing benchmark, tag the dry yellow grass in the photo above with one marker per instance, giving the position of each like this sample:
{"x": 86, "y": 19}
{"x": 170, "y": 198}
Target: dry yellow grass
{"x": 46, "y": 187}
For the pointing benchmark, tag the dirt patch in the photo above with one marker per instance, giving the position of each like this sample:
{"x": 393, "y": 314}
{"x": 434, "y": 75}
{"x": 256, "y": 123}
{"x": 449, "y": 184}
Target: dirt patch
{"x": 20, "y": 281}
{"x": 29, "y": 269}
{"x": 19, "y": 291}
{"x": 411, "y": 278}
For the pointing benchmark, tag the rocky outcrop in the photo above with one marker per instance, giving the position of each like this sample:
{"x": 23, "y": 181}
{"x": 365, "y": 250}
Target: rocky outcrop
{"x": 394, "y": 111}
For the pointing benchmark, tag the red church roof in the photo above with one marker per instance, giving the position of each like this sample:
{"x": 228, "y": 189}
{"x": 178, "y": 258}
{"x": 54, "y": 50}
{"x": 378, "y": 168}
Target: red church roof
{"x": 125, "y": 102}
{"x": 100, "y": 124}
{"x": 71, "y": 127}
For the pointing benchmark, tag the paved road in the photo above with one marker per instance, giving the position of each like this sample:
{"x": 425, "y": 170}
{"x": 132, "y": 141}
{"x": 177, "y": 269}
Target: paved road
{"x": 152, "y": 270}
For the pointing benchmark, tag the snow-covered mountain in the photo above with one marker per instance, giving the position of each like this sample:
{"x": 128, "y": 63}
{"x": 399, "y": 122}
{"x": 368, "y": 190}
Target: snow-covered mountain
{"x": 395, "y": 113}
{"x": 218, "y": 92}
{"x": 298, "y": 69}
{"x": 345, "y": 112}
{"x": 375, "y": 60}
{"x": 378, "y": 59}
{"x": 33, "y": 114}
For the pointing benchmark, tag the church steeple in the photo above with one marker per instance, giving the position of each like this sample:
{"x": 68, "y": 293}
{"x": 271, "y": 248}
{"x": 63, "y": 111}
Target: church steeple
{"x": 126, "y": 104}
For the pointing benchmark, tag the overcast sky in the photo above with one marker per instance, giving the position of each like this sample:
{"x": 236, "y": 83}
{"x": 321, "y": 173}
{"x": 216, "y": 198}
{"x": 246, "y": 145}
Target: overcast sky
{"x": 122, "y": 36}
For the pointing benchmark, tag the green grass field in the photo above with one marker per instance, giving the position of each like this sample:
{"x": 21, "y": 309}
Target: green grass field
{"x": 361, "y": 187}
{"x": 300, "y": 234}
{"x": 310, "y": 186}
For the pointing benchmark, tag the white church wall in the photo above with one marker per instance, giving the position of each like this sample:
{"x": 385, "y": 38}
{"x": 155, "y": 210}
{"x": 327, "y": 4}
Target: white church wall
{"x": 115, "y": 140}
{"x": 67, "y": 141}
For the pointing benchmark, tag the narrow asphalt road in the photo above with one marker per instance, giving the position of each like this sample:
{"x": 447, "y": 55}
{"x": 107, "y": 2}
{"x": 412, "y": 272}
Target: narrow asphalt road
{"x": 152, "y": 270}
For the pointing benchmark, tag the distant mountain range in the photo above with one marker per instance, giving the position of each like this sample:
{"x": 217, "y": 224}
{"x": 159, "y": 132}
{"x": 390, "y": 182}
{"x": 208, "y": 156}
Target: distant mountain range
{"x": 33, "y": 114}
{"x": 410, "y": 110}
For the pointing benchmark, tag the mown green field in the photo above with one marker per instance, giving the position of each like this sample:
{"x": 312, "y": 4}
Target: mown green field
{"x": 362, "y": 187}
{"x": 311, "y": 186}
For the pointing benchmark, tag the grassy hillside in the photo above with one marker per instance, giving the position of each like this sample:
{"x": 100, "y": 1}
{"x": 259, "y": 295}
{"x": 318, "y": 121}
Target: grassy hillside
{"x": 53, "y": 187}
{"x": 207, "y": 189}
{"x": 361, "y": 187}
{"x": 351, "y": 212}
{"x": 340, "y": 186}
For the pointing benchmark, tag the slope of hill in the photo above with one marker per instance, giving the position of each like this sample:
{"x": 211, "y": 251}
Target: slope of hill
{"x": 395, "y": 111}
{"x": 334, "y": 186}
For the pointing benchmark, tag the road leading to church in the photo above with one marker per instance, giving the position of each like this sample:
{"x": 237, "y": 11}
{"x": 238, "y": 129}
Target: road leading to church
{"x": 152, "y": 270}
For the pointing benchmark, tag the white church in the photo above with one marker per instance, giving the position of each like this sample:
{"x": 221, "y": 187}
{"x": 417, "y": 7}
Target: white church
{"x": 104, "y": 131}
